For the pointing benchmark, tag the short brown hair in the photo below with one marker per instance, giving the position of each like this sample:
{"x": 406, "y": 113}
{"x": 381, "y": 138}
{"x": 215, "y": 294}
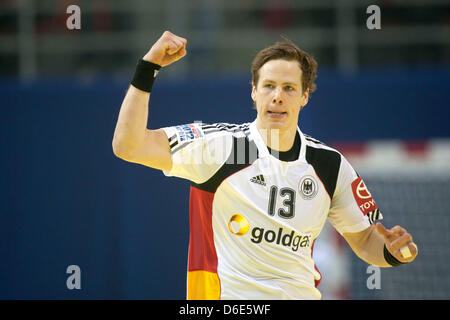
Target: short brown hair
{"x": 287, "y": 51}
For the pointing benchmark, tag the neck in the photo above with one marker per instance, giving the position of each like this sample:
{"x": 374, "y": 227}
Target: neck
{"x": 278, "y": 139}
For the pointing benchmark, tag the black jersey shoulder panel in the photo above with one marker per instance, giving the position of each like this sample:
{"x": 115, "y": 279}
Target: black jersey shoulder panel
{"x": 243, "y": 153}
{"x": 326, "y": 163}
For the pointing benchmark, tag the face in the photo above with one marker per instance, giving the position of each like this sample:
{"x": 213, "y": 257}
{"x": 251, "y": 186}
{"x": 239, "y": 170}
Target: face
{"x": 278, "y": 95}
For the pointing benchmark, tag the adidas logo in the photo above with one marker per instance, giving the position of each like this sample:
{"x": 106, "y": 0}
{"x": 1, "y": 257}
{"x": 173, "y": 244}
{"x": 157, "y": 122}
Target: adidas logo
{"x": 259, "y": 179}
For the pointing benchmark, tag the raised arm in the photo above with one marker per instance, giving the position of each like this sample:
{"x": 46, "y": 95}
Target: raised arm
{"x": 132, "y": 140}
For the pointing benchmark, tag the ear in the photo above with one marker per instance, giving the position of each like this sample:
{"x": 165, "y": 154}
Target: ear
{"x": 253, "y": 93}
{"x": 304, "y": 99}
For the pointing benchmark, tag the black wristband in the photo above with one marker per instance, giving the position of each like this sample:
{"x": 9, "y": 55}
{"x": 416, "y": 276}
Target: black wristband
{"x": 145, "y": 75}
{"x": 390, "y": 258}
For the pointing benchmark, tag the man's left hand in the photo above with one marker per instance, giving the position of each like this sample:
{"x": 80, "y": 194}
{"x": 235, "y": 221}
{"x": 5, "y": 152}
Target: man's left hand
{"x": 395, "y": 239}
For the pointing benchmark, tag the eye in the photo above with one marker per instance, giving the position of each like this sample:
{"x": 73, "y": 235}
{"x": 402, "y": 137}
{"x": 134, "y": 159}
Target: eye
{"x": 268, "y": 85}
{"x": 289, "y": 88}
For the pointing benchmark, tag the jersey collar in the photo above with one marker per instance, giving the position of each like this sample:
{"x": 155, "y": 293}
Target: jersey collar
{"x": 262, "y": 147}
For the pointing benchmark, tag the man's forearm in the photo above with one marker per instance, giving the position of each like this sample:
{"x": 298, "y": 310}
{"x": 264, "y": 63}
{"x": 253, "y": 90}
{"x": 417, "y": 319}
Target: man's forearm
{"x": 374, "y": 250}
{"x": 368, "y": 245}
{"x": 383, "y": 247}
{"x": 132, "y": 121}
{"x": 131, "y": 126}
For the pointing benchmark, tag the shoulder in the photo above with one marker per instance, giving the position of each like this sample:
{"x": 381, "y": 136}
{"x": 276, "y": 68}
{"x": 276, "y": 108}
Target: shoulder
{"x": 317, "y": 151}
{"x": 224, "y": 128}
{"x": 241, "y": 153}
{"x": 200, "y": 133}
{"x": 325, "y": 160}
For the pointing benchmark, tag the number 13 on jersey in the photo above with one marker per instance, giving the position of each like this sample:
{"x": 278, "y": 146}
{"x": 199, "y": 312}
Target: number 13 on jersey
{"x": 287, "y": 211}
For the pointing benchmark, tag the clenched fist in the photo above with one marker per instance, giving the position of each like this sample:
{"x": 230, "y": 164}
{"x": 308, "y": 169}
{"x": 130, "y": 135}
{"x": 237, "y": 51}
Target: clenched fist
{"x": 168, "y": 49}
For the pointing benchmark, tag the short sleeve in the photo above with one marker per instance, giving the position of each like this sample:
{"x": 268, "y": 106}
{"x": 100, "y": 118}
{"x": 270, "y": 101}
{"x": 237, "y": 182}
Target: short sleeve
{"x": 196, "y": 153}
{"x": 353, "y": 208}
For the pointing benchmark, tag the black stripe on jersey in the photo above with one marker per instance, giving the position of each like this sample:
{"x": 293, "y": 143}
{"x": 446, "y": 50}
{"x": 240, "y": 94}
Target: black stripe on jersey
{"x": 210, "y": 128}
{"x": 373, "y": 216}
{"x": 313, "y": 140}
{"x": 326, "y": 163}
{"x": 173, "y": 137}
{"x": 176, "y": 145}
{"x": 181, "y": 146}
{"x": 172, "y": 145}
{"x": 243, "y": 153}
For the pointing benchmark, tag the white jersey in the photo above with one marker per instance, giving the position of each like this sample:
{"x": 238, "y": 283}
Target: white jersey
{"x": 254, "y": 218}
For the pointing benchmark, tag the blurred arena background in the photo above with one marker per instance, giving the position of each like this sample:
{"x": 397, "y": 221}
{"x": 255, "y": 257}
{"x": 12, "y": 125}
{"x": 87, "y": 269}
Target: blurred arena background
{"x": 382, "y": 99}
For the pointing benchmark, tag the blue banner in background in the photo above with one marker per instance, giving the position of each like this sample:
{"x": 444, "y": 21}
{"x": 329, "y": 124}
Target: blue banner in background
{"x": 67, "y": 200}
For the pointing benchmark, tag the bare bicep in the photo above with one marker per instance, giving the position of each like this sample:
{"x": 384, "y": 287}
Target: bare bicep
{"x": 154, "y": 151}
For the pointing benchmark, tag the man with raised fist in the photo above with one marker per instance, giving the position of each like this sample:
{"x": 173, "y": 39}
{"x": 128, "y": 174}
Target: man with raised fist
{"x": 260, "y": 191}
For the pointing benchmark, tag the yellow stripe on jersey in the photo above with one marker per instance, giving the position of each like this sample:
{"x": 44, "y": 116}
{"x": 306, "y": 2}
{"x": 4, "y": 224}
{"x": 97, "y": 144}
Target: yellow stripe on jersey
{"x": 203, "y": 285}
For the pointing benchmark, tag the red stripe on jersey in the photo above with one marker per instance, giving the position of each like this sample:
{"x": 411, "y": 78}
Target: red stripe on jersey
{"x": 202, "y": 252}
